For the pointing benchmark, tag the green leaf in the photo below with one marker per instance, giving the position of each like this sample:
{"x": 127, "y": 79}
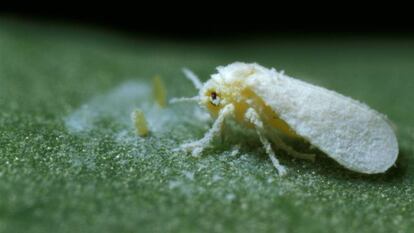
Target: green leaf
{"x": 70, "y": 160}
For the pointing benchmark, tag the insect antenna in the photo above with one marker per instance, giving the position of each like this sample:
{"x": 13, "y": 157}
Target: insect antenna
{"x": 193, "y": 78}
{"x": 184, "y": 99}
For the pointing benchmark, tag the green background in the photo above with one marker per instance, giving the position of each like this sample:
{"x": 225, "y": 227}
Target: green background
{"x": 101, "y": 178}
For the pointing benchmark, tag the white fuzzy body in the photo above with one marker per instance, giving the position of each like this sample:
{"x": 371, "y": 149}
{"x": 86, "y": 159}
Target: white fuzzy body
{"x": 348, "y": 131}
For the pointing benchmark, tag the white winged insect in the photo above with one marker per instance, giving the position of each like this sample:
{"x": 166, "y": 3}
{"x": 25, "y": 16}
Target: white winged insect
{"x": 348, "y": 131}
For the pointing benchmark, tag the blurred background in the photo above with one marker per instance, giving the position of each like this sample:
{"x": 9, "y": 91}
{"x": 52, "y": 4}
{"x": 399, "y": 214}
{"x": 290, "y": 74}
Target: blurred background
{"x": 205, "y": 20}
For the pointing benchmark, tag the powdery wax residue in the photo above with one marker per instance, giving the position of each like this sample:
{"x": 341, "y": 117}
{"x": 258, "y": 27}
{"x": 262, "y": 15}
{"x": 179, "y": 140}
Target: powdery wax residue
{"x": 117, "y": 104}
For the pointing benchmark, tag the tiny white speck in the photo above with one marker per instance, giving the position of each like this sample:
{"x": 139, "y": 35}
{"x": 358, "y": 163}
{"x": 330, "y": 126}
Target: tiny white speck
{"x": 230, "y": 196}
{"x": 174, "y": 184}
{"x": 189, "y": 175}
{"x": 235, "y": 151}
{"x": 216, "y": 177}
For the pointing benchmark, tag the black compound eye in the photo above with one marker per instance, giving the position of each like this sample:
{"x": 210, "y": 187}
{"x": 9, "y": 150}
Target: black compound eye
{"x": 214, "y": 98}
{"x": 213, "y": 95}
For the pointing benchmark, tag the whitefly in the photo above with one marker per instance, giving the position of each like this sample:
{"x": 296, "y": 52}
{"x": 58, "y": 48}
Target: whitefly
{"x": 272, "y": 103}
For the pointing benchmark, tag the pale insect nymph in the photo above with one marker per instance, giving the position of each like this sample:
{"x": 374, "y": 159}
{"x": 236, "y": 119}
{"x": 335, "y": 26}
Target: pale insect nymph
{"x": 356, "y": 136}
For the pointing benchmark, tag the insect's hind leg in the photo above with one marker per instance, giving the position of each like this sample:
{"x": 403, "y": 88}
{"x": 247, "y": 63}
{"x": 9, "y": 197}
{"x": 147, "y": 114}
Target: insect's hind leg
{"x": 252, "y": 116}
{"x": 198, "y": 146}
{"x": 282, "y": 145}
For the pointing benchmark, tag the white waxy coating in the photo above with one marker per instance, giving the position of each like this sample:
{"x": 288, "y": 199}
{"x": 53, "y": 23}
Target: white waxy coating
{"x": 348, "y": 131}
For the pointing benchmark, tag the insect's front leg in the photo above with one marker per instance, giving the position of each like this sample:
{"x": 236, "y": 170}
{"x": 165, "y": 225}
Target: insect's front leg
{"x": 197, "y": 147}
{"x": 252, "y": 117}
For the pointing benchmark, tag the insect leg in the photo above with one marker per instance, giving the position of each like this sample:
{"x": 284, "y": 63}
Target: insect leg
{"x": 197, "y": 147}
{"x": 282, "y": 145}
{"x": 252, "y": 116}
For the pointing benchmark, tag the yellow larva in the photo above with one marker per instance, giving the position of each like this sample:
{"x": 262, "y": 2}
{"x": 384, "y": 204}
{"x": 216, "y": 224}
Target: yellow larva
{"x": 140, "y": 123}
{"x": 356, "y": 136}
{"x": 159, "y": 91}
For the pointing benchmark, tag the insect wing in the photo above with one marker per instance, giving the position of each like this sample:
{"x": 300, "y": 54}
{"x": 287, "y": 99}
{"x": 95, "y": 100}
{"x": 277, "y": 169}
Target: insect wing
{"x": 348, "y": 131}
